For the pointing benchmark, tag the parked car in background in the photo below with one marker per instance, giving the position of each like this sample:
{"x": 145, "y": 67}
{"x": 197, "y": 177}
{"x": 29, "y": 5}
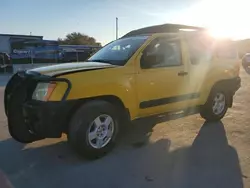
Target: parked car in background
{"x": 146, "y": 73}
{"x": 246, "y": 61}
{"x": 76, "y": 53}
{"x": 5, "y": 63}
{"x": 74, "y": 56}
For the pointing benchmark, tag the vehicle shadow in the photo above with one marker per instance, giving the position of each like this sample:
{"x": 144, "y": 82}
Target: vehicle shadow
{"x": 209, "y": 162}
{"x": 137, "y": 134}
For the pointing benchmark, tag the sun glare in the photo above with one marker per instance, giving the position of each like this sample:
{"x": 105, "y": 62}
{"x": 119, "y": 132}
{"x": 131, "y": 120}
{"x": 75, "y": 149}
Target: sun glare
{"x": 223, "y": 18}
{"x": 220, "y": 34}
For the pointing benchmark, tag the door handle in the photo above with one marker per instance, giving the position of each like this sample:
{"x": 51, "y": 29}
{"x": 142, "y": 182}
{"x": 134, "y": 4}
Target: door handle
{"x": 182, "y": 73}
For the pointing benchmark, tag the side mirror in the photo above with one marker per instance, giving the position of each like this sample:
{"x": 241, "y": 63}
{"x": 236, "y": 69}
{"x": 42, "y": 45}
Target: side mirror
{"x": 149, "y": 61}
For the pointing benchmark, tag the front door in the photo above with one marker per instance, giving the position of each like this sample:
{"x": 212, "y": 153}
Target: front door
{"x": 162, "y": 80}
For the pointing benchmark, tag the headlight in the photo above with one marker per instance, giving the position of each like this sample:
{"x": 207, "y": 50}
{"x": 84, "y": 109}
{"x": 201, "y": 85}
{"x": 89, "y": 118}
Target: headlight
{"x": 43, "y": 91}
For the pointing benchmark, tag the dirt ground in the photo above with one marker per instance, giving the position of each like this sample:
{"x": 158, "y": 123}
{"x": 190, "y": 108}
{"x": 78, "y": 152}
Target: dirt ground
{"x": 180, "y": 153}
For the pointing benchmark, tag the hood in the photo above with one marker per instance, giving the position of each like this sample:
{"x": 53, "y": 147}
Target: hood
{"x": 65, "y": 68}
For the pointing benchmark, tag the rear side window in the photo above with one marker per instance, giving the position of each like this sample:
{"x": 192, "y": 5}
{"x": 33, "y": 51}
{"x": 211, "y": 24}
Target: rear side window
{"x": 226, "y": 51}
{"x": 200, "y": 50}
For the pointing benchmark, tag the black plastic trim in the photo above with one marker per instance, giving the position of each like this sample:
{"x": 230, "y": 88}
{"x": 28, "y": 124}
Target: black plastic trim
{"x": 232, "y": 85}
{"x": 48, "y": 119}
{"x": 163, "y": 101}
{"x": 82, "y": 70}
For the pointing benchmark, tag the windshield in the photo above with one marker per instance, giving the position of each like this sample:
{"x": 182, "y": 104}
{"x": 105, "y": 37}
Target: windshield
{"x": 119, "y": 51}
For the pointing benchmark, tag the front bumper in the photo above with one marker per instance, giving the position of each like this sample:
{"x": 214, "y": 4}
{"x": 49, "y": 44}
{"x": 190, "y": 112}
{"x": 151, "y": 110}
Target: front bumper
{"x": 30, "y": 120}
{"x": 47, "y": 119}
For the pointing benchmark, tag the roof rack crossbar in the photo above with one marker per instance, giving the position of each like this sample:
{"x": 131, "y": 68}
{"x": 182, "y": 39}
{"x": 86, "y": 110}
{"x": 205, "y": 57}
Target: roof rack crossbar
{"x": 165, "y": 28}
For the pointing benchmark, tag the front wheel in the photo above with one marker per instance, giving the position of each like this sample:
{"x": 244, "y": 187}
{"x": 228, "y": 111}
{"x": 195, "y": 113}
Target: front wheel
{"x": 216, "y": 106}
{"x": 93, "y": 129}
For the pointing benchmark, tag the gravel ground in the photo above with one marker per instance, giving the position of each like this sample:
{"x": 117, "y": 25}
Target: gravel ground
{"x": 180, "y": 153}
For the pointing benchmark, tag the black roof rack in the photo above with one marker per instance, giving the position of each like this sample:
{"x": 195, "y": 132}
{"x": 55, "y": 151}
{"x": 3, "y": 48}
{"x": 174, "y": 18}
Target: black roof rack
{"x": 165, "y": 28}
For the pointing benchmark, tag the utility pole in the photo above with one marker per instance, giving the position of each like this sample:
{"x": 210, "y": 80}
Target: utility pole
{"x": 116, "y": 23}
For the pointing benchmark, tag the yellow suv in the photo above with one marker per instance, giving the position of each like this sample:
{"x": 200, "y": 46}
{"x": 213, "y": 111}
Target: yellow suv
{"x": 145, "y": 73}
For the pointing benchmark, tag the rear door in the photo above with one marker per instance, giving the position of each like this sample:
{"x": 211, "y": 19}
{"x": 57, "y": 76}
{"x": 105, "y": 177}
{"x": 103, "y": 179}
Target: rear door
{"x": 227, "y": 54}
{"x": 200, "y": 50}
{"x": 208, "y": 59}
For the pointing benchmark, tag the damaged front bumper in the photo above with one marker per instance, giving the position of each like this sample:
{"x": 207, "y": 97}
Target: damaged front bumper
{"x": 47, "y": 119}
{"x": 30, "y": 120}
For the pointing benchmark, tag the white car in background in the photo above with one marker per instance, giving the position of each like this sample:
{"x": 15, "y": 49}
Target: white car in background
{"x": 246, "y": 62}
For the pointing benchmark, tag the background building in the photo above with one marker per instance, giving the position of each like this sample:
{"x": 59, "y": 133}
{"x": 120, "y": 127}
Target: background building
{"x": 7, "y": 41}
{"x": 34, "y": 51}
{"x": 28, "y": 51}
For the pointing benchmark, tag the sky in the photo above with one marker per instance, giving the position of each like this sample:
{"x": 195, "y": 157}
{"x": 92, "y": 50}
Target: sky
{"x": 96, "y": 18}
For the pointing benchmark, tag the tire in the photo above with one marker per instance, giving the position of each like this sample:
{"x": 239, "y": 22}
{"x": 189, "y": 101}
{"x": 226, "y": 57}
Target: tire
{"x": 84, "y": 124}
{"x": 208, "y": 113}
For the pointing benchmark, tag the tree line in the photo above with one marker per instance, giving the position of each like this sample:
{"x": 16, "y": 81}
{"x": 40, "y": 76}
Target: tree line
{"x": 77, "y": 38}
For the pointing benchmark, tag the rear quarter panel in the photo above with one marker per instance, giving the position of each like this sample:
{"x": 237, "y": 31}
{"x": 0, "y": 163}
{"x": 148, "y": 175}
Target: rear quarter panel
{"x": 218, "y": 70}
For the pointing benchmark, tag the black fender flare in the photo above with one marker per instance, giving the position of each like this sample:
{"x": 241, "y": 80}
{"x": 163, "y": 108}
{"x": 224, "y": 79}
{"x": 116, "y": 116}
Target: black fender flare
{"x": 230, "y": 86}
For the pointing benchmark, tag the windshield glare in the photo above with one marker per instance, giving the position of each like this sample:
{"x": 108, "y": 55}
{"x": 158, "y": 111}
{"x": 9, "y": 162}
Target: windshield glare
{"x": 119, "y": 51}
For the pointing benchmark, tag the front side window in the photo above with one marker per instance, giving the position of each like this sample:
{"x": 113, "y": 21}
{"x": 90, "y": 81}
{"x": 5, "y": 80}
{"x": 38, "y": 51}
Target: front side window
{"x": 119, "y": 51}
{"x": 162, "y": 52}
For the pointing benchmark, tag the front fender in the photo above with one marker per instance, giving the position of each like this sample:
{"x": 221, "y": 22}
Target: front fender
{"x": 122, "y": 87}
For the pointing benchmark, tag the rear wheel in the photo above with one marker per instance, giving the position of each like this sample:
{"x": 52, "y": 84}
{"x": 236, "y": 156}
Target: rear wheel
{"x": 216, "y": 105}
{"x": 93, "y": 129}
